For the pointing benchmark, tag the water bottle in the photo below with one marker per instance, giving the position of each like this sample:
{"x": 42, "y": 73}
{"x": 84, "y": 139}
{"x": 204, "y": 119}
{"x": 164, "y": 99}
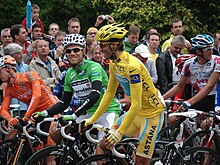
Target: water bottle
{"x": 158, "y": 163}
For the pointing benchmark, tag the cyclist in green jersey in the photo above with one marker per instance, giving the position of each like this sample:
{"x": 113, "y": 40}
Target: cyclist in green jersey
{"x": 88, "y": 80}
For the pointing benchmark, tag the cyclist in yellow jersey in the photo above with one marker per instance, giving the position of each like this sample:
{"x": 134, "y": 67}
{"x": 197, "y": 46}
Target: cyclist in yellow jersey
{"x": 145, "y": 115}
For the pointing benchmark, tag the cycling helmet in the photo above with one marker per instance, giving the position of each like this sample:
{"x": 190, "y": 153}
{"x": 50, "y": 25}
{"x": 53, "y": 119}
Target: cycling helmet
{"x": 74, "y": 39}
{"x": 7, "y": 60}
{"x": 111, "y": 33}
{"x": 181, "y": 59}
{"x": 201, "y": 41}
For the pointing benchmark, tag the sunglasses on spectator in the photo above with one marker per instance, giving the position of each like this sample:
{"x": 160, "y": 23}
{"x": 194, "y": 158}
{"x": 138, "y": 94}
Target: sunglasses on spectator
{"x": 75, "y": 50}
{"x": 208, "y": 49}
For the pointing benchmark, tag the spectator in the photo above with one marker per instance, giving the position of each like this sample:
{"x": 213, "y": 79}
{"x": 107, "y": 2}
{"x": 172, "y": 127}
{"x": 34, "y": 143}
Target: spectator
{"x": 74, "y": 26}
{"x": 44, "y": 65}
{"x": 19, "y": 36}
{"x": 15, "y": 50}
{"x": 36, "y": 32}
{"x": 90, "y": 42}
{"x": 144, "y": 40}
{"x": 153, "y": 41}
{"x": 166, "y": 70}
{"x": 131, "y": 42}
{"x": 54, "y": 28}
{"x": 143, "y": 54}
{"x": 35, "y": 18}
{"x": 176, "y": 29}
{"x": 5, "y": 40}
{"x": 101, "y": 18}
{"x": 98, "y": 56}
{"x": 216, "y": 38}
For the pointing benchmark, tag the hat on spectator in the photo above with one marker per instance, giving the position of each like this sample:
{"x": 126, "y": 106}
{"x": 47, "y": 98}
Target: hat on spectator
{"x": 142, "y": 50}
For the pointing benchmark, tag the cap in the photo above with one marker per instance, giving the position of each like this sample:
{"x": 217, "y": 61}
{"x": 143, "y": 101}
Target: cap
{"x": 142, "y": 50}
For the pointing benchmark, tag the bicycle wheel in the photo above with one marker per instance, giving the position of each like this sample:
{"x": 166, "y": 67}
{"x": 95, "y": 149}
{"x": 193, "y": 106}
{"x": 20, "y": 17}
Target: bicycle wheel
{"x": 167, "y": 134}
{"x": 103, "y": 159}
{"x": 6, "y": 151}
{"x": 56, "y": 154}
{"x": 171, "y": 133}
{"x": 197, "y": 156}
{"x": 199, "y": 138}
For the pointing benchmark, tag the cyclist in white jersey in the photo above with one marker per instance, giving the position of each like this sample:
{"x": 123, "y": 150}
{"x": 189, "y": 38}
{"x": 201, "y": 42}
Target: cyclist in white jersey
{"x": 197, "y": 71}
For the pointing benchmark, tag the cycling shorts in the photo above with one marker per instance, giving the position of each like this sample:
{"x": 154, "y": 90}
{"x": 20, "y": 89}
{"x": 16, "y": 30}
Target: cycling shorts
{"x": 148, "y": 130}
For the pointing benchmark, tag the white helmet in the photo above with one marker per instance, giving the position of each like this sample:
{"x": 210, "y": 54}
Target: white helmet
{"x": 74, "y": 39}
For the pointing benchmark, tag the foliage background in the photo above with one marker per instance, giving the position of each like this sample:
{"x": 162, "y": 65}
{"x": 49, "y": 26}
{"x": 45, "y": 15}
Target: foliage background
{"x": 199, "y": 16}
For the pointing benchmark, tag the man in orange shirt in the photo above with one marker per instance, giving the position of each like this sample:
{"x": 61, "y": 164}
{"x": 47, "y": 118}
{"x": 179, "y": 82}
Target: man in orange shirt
{"x": 27, "y": 87}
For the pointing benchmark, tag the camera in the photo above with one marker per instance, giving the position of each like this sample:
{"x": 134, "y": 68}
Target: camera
{"x": 104, "y": 17}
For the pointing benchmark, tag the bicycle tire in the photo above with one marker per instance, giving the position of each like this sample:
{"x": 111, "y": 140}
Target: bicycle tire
{"x": 167, "y": 134}
{"x": 170, "y": 133}
{"x": 195, "y": 139}
{"x": 61, "y": 156}
{"x": 6, "y": 151}
{"x": 197, "y": 155}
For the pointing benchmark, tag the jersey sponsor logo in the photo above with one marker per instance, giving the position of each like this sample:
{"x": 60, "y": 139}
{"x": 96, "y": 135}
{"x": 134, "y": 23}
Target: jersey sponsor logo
{"x": 79, "y": 82}
{"x": 149, "y": 139}
{"x": 82, "y": 88}
{"x": 135, "y": 78}
{"x": 146, "y": 86}
{"x": 154, "y": 100}
{"x": 119, "y": 68}
{"x": 94, "y": 68}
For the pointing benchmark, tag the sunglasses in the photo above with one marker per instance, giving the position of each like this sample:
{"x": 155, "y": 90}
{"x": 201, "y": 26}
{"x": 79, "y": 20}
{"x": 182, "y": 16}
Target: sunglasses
{"x": 75, "y": 50}
{"x": 208, "y": 49}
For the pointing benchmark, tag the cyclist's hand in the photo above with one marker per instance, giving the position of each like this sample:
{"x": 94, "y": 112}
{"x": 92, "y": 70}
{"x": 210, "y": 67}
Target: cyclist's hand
{"x": 113, "y": 138}
{"x": 69, "y": 117}
{"x": 184, "y": 107}
{"x": 13, "y": 122}
{"x": 85, "y": 125}
{"x": 37, "y": 115}
{"x": 25, "y": 118}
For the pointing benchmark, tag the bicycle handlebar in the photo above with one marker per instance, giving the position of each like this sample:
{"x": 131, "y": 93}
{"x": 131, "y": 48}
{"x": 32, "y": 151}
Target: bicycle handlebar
{"x": 104, "y": 129}
{"x": 62, "y": 130}
{"x": 45, "y": 120}
{"x": 26, "y": 132}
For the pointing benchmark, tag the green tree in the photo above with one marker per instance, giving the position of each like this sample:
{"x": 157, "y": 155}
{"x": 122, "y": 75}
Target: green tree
{"x": 160, "y": 13}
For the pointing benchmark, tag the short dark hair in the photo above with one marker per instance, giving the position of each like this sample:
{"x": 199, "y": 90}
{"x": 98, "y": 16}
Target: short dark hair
{"x": 15, "y": 29}
{"x": 60, "y": 33}
{"x": 73, "y": 20}
{"x": 175, "y": 21}
{"x": 35, "y": 26}
{"x": 157, "y": 34}
{"x": 133, "y": 29}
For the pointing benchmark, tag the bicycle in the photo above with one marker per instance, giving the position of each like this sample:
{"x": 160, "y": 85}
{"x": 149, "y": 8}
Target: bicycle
{"x": 205, "y": 137}
{"x": 20, "y": 147}
{"x": 72, "y": 149}
{"x": 173, "y": 154}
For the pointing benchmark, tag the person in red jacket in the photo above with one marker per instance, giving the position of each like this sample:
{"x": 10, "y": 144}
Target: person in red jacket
{"x": 35, "y": 18}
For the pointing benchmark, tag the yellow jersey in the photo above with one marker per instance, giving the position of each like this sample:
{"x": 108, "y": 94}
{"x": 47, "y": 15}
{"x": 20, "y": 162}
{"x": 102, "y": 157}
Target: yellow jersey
{"x": 146, "y": 100}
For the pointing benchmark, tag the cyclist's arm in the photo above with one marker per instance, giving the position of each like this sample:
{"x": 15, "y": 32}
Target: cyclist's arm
{"x": 36, "y": 94}
{"x": 90, "y": 101}
{"x": 6, "y": 104}
{"x": 207, "y": 89}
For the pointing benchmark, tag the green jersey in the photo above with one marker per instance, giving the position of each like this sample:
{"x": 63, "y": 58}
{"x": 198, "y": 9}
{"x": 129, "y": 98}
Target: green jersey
{"x": 80, "y": 81}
